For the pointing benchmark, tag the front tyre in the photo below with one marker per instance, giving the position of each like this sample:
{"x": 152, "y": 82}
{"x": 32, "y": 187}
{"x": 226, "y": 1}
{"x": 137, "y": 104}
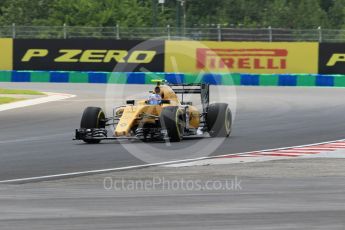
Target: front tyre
{"x": 93, "y": 117}
{"x": 219, "y": 120}
{"x": 172, "y": 119}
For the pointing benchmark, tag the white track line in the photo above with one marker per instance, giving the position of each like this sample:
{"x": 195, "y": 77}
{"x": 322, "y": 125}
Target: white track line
{"x": 49, "y": 98}
{"x": 84, "y": 173}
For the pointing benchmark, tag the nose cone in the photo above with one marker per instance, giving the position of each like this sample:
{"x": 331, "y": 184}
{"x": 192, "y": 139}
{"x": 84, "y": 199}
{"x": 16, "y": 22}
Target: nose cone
{"x": 127, "y": 119}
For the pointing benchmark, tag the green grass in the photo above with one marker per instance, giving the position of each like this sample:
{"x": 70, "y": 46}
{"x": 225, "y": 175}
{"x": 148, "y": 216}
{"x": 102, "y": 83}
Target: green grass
{"x": 20, "y": 91}
{"x": 4, "y": 100}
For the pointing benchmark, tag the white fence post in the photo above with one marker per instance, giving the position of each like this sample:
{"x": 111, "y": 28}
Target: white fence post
{"x": 168, "y": 31}
{"x": 64, "y": 31}
{"x": 117, "y": 31}
{"x": 219, "y": 30}
{"x": 320, "y": 33}
{"x": 13, "y": 30}
{"x": 270, "y": 34}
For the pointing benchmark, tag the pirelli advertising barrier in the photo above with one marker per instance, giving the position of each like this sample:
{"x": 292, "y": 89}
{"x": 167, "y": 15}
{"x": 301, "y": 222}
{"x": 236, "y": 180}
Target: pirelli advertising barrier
{"x": 332, "y": 58}
{"x": 241, "y": 57}
{"x": 88, "y": 55}
{"x": 172, "y": 56}
{"x": 6, "y": 51}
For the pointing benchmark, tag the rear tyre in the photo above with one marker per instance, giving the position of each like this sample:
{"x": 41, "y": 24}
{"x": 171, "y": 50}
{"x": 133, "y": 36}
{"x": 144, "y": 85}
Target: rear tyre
{"x": 172, "y": 119}
{"x": 219, "y": 120}
{"x": 93, "y": 117}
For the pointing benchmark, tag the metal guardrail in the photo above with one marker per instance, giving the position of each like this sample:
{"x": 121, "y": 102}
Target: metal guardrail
{"x": 172, "y": 33}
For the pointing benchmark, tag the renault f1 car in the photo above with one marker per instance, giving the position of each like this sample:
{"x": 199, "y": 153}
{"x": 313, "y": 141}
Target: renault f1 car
{"x": 170, "y": 119}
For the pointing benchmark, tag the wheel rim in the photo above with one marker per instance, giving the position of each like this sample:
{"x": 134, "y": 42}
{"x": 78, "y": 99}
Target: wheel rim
{"x": 227, "y": 121}
{"x": 179, "y": 124}
{"x": 101, "y": 115}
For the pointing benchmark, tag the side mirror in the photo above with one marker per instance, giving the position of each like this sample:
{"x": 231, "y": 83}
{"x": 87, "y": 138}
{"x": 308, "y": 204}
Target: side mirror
{"x": 130, "y": 102}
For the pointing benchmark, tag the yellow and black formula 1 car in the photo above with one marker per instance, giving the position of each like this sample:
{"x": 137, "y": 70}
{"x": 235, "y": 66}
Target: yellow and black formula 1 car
{"x": 171, "y": 118}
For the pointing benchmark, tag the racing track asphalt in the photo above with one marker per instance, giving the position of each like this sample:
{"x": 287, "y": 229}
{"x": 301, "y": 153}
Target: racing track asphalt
{"x": 37, "y": 140}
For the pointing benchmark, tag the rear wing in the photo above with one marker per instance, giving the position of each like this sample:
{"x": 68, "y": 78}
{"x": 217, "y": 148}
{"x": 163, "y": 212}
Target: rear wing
{"x": 194, "y": 88}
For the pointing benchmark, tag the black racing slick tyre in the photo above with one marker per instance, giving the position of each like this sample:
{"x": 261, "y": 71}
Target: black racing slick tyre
{"x": 173, "y": 121}
{"x": 93, "y": 117}
{"x": 219, "y": 120}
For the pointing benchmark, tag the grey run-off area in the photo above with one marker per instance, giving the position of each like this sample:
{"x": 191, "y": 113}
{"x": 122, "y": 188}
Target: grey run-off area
{"x": 286, "y": 194}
